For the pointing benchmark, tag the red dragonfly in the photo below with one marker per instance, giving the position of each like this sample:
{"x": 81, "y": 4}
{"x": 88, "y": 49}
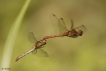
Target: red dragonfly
{"x": 36, "y": 48}
{"x": 63, "y": 30}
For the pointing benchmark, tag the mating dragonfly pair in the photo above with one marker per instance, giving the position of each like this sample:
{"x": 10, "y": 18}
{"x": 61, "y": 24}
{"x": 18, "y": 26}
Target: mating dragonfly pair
{"x": 63, "y": 31}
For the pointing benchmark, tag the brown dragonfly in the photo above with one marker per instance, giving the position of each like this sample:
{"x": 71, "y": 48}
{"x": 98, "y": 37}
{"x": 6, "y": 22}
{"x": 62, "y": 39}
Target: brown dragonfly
{"x": 36, "y": 49}
{"x": 63, "y": 30}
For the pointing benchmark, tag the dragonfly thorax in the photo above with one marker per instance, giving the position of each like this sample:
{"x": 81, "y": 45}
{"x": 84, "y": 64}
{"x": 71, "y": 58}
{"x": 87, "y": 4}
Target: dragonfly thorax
{"x": 40, "y": 43}
{"x": 72, "y": 33}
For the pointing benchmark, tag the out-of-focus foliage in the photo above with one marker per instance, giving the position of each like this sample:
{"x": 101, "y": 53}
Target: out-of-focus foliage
{"x": 85, "y": 53}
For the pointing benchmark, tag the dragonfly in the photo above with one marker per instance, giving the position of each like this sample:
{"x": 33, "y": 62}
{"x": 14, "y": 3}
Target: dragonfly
{"x": 37, "y": 48}
{"x": 63, "y": 30}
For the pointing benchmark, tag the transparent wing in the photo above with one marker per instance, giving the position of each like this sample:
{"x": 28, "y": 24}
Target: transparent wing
{"x": 40, "y": 53}
{"x": 72, "y": 24}
{"x": 82, "y": 27}
{"x": 57, "y": 24}
{"x": 31, "y": 37}
{"x": 54, "y": 23}
{"x": 34, "y": 52}
{"x": 62, "y": 26}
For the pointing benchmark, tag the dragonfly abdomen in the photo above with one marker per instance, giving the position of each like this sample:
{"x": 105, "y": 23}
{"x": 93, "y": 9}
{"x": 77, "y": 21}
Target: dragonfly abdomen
{"x": 24, "y": 54}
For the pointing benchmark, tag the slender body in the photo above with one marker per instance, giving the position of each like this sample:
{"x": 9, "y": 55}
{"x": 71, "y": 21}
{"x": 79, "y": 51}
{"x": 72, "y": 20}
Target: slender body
{"x": 37, "y": 46}
{"x": 73, "y": 32}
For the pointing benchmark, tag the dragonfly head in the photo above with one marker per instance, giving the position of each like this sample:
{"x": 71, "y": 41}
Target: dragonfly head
{"x": 80, "y": 32}
{"x": 44, "y": 41}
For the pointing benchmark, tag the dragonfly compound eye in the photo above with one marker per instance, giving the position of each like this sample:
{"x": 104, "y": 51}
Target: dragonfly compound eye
{"x": 80, "y": 33}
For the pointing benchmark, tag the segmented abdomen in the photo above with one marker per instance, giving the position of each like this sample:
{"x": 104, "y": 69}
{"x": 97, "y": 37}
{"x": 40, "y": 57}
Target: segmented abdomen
{"x": 29, "y": 51}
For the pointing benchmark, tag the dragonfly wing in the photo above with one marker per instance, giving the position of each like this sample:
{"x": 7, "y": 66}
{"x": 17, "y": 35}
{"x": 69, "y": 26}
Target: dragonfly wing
{"x": 31, "y": 37}
{"x": 62, "y": 26}
{"x": 58, "y": 24}
{"x": 72, "y": 24}
{"x": 82, "y": 28}
{"x": 37, "y": 50}
{"x": 34, "y": 52}
{"x": 41, "y": 53}
{"x": 54, "y": 22}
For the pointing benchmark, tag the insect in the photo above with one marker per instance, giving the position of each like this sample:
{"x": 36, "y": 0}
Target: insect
{"x": 63, "y": 30}
{"x": 36, "y": 48}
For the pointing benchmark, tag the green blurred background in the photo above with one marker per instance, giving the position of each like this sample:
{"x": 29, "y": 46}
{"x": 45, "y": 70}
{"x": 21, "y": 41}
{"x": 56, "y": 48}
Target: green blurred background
{"x": 85, "y": 53}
